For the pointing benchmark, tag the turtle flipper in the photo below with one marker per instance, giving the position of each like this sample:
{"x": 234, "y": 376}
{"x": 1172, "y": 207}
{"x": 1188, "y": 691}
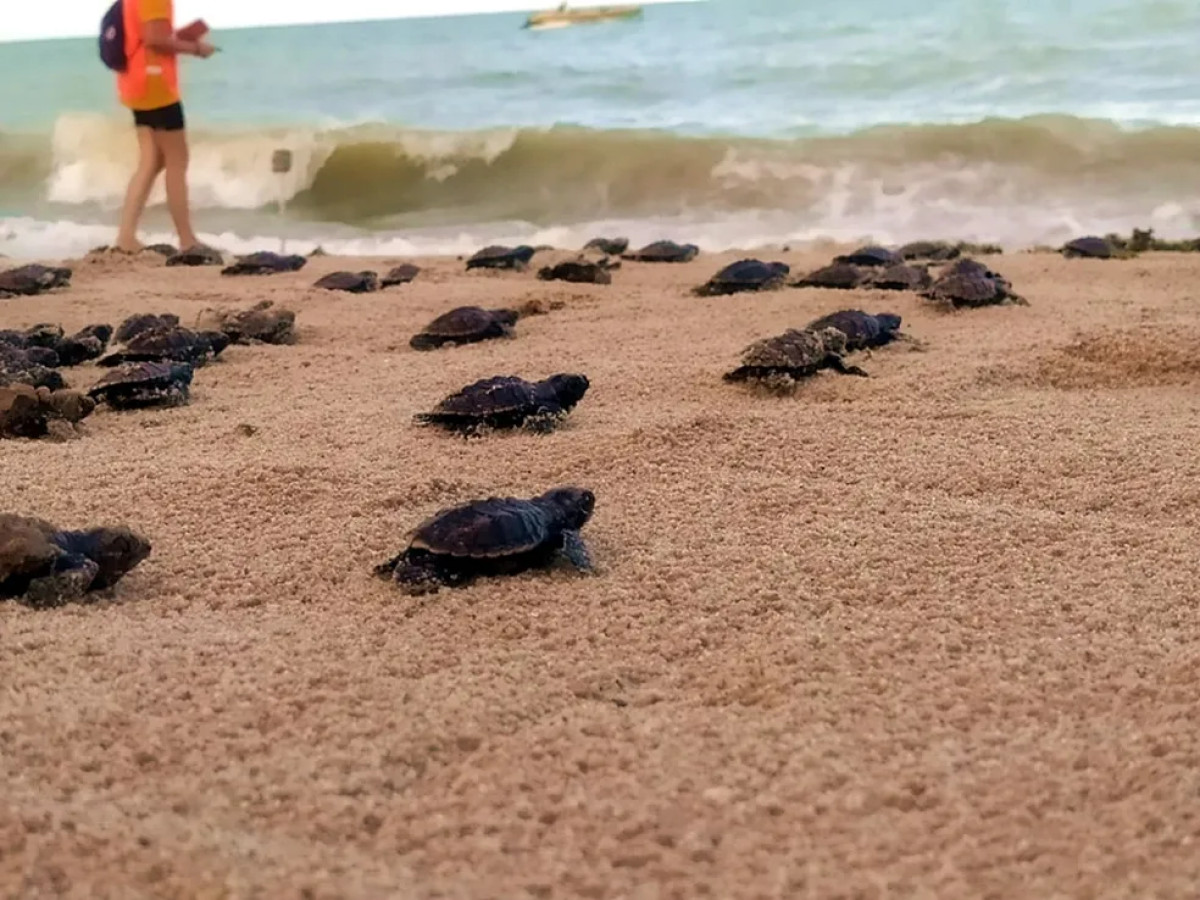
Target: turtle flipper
{"x": 387, "y": 569}
{"x": 839, "y": 365}
{"x": 68, "y": 583}
{"x": 545, "y": 420}
{"x": 576, "y": 552}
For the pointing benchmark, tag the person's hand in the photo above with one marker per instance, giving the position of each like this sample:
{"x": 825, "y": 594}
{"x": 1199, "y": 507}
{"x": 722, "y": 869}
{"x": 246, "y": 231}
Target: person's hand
{"x": 204, "y": 49}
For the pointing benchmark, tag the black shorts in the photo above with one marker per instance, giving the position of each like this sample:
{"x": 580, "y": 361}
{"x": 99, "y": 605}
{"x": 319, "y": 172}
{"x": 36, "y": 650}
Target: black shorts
{"x": 165, "y": 118}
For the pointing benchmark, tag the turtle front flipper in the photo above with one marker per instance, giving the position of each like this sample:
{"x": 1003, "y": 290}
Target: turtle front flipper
{"x": 387, "y": 570}
{"x": 576, "y": 552}
{"x": 545, "y": 419}
{"x": 840, "y": 365}
{"x": 68, "y": 583}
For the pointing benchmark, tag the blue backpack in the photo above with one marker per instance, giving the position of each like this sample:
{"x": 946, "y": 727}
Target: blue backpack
{"x": 112, "y": 37}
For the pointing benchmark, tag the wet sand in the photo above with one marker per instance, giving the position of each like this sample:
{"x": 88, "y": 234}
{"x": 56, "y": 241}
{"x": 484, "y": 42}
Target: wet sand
{"x": 928, "y": 634}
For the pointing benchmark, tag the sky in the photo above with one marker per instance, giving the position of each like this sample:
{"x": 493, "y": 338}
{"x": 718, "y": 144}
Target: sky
{"x": 81, "y": 18}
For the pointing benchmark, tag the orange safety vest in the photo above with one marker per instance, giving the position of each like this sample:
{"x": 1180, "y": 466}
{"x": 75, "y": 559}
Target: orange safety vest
{"x": 133, "y": 82}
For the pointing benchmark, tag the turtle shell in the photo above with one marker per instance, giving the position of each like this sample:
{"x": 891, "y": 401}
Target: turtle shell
{"x": 1091, "y": 247}
{"x": 179, "y": 344}
{"x": 350, "y": 282}
{"x": 862, "y": 329}
{"x": 746, "y": 275}
{"x": 902, "y": 277}
{"x": 608, "y": 246}
{"x": 265, "y": 262}
{"x": 143, "y": 384}
{"x": 26, "y": 549}
{"x": 495, "y": 527}
{"x": 28, "y": 412}
{"x": 498, "y": 256}
{"x": 197, "y": 256}
{"x": 464, "y": 325}
{"x": 489, "y": 396}
{"x": 664, "y": 251}
{"x": 145, "y": 322}
{"x": 796, "y": 353}
{"x": 80, "y": 348}
{"x": 969, "y": 283}
{"x": 44, "y": 334}
{"x": 33, "y": 279}
{"x": 838, "y": 276}
{"x": 401, "y": 274}
{"x": 870, "y": 255}
{"x": 260, "y": 323}
{"x": 934, "y": 251}
{"x": 576, "y": 272}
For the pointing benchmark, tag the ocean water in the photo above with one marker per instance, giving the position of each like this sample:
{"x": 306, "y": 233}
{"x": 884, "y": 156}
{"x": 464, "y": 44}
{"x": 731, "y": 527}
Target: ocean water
{"x": 724, "y": 122}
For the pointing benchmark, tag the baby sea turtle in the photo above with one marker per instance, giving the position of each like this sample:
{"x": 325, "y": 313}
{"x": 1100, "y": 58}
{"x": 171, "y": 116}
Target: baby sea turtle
{"x": 28, "y": 412}
{"x": 793, "y": 355}
{"x": 745, "y": 275}
{"x": 969, "y": 283}
{"x": 870, "y": 256}
{"x": 902, "y": 277}
{"x": 664, "y": 251}
{"x": 1091, "y": 247}
{"x": 21, "y": 366}
{"x": 863, "y": 330}
{"x": 608, "y": 246}
{"x": 838, "y": 276}
{"x": 177, "y": 344}
{"x": 931, "y": 251}
{"x": 265, "y": 263}
{"x": 508, "y": 402}
{"x": 199, "y": 255}
{"x": 144, "y": 322}
{"x": 496, "y": 536}
{"x": 465, "y": 325}
{"x": 142, "y": 384}
{"x": 33, "y": 279}
{"x": 577, "y": 272}
{"x": 261, "y": 323}
{"x": 401, "y": 274}
{"x": 350, "y": 282}
{"x": 498, "y": 256}
{"x": 43, "y": 566}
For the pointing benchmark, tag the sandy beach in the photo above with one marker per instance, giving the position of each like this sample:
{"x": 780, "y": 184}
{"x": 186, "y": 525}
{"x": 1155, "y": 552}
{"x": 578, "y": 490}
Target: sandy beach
{"x": 927, "y": 634}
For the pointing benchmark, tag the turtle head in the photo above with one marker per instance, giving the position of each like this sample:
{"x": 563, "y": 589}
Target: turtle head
{"x": 102, "y": 333}
{"x": 115, "y": 550}
{"x": 216, "y": 340}
{"x": 523, "y": 252}
{"x": 888, "y": 322}
{"x": 569, "y": 389}
{"x": 780, "y": 268}
{"x": 573, "y": 505}
{"x": 505, "y": 316}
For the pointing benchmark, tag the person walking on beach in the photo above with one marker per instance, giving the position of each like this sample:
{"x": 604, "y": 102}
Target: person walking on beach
{"x": 149, "y": 87}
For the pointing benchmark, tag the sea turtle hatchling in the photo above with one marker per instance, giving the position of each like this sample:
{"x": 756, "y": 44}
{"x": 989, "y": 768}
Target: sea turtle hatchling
{"x": 608, "y": 246}
{"x": 199, "y": 255}
{"x": 262, "y": 323}
{"x": 401, "y": 274}
{"x": 576, "y": 271}
{"x": 28, "y": 412}
{"x": 177, "y": 344}
{"x": 507, "y": 401}
{"x": 43, "y": 566}
{"x": 1089, "y": 247}
{"x": 143, "y": 384}
{"x": 969, "y": 283}
{"x": 26, "y": 366}
{"x": 863, "y": 330}
{"x": 265, "y": 262}
{"x": 498, "y": 256}
{"x": 144, "y": 322}
{"x": 351, "y": 282}
{"x": 33, "y": 279}
{"x": 465, "y": 325}
{"x": 836, "y": 276}
{"x": 744, "y": 275}
{"x": 496, "y": 536}
{"x": 931, "y": 251}
{"x": 793, "y": 355}
{"x": 870, "y": 256}
{"x": 902, "y": 277}
{"x": 664, "y": 251}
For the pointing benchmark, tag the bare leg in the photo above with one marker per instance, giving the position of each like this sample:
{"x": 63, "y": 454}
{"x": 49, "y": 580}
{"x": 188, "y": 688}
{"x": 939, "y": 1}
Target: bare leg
{"x": 174, "y": 149}
{"x": 150, "y": 163}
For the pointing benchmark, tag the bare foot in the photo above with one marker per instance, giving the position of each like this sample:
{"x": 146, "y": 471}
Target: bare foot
{"x": 130, "y": 247}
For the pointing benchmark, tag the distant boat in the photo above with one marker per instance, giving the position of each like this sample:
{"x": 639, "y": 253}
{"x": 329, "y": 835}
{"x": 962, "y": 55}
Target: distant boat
{"x": 562, "y": 17}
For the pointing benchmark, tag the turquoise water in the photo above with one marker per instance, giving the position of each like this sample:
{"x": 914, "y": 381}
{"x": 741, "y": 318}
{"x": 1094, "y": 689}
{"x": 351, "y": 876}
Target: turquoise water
{"x": 727, "y": 122}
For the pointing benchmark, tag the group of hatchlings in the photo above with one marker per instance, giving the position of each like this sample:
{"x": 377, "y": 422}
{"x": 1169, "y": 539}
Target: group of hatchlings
{"x": 154, "y": 356}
